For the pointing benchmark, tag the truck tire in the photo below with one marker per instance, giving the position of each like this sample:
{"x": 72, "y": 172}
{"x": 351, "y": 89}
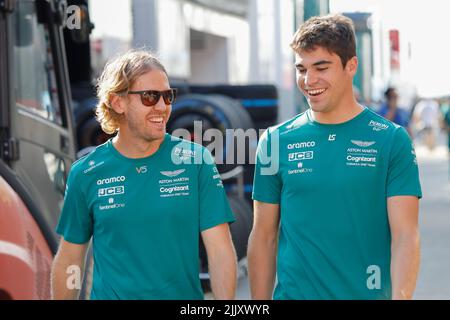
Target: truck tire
{"x": 89, "y": 132}
{"x": 261, "y": 101}
{"x": 214, "y": 111}
{"x": 86, "y": 288}
{"x": 240, "y": 231}
{"x": 241, "y": 228}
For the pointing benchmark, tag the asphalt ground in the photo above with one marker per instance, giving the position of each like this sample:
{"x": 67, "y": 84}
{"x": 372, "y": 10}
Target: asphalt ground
{"x": 434, "y": 221}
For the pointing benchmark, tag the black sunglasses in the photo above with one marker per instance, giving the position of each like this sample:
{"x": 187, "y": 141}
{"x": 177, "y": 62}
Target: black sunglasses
{"x": 151, "y": 97}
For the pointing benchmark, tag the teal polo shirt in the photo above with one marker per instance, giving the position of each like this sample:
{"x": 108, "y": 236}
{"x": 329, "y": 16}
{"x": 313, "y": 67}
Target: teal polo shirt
{"x": 332, "y": 182}
{"x": 144, "y": 216}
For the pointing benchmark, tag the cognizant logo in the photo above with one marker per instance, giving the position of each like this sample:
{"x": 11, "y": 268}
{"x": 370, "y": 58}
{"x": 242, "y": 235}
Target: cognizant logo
{"x": 364, "y": 159}
{"x": 173, "y": 189}
{"x": 111, "y": 180}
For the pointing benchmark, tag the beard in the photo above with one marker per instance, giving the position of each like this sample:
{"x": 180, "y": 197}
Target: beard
{"x": 142, "y": 129}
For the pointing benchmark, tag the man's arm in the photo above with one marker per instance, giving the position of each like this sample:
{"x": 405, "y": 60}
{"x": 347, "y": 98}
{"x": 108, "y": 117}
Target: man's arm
{"x": 262, "y": 250}
{"x": 70, "y": 257}
{"x": 221, "y": 261}
{"x": 403, "y": 214}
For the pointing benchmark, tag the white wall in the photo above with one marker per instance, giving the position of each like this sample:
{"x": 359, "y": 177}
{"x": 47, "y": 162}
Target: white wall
{"x": 209, "y": 58}
{"x": 234, "y": 29}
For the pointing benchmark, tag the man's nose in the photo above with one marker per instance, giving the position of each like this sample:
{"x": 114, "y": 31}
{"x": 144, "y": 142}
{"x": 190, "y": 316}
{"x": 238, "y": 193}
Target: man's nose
{"x": 160, "y": 105}
{"x": 310, "y": 78}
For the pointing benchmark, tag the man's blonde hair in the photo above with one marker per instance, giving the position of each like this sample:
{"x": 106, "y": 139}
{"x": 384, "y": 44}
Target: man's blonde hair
{"x": 117, "y": 77}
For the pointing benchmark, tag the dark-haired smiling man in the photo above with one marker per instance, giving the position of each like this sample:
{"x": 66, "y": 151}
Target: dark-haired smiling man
{"x": 339, "y": 219}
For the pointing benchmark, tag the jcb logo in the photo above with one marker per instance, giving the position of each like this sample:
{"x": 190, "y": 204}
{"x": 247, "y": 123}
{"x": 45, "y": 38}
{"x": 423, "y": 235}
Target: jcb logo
{"x": 111, "y": 191}
{"x": 296, "y": 156}
{"x": 142, "y": 169}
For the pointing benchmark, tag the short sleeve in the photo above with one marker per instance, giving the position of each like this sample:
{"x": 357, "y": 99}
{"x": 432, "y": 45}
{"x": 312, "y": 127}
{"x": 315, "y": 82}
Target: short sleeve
{"x": 403, "y": 171}
{"x": 75, "y": 223}
{"x": 214, "y": 206}
{"x": 267, "y": 182}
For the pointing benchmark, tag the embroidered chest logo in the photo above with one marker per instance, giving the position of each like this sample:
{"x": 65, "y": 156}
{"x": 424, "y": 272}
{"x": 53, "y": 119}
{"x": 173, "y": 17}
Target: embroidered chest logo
{"x": 363, "y": 144}
{"x": 172, "y": 174}
{"x": 362, "y": 155}
{"x": 174, "y": 185}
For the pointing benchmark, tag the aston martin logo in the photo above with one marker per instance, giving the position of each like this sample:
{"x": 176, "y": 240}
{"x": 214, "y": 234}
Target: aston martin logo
{"x": 363, "y": 144}
{"x": 172, "y": 174}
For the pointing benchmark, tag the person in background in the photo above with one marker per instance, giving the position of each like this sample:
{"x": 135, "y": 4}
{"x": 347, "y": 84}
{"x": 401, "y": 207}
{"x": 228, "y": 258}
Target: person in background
{"x": 391, "y": 111}
{"x": 427, "y": 119}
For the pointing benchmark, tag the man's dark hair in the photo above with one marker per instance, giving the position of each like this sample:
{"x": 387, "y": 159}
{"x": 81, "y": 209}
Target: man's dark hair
{"x": 335, "y": 32}
{"x": 389, "y": 91}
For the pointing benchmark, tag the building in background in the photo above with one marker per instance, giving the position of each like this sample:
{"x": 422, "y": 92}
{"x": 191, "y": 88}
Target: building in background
{"x": 247, "y": 42}
{"x": 384, "y": 49}
{"x": 210, "y": 41}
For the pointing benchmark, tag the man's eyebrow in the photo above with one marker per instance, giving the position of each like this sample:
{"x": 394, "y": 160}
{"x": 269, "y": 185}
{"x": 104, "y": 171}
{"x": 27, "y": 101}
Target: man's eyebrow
{"x": 318, "y": 63}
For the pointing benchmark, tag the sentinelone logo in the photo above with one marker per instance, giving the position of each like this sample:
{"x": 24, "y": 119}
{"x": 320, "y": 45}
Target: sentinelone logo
{"x": 112, "y": 205}
{"x": 111, "y": 180}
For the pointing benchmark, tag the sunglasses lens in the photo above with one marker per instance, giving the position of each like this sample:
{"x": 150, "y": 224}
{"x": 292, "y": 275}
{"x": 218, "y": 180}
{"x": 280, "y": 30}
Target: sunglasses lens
{"x": 149, "y": 98}
{"x": 169, "y": 96}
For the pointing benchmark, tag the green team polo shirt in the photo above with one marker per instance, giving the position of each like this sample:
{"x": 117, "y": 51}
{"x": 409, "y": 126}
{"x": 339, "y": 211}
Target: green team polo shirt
{"x": 144, "y": 216}
{"x": 332, "y": 182}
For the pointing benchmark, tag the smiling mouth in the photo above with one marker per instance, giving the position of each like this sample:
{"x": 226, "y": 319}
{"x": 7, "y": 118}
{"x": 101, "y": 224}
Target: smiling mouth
{"x": 157, "y": 120}
{"x": 315, "y": 92}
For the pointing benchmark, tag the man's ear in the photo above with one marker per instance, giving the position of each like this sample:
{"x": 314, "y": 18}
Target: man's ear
{"x": 352, "y": 65}
{"x": 116, "y": 102}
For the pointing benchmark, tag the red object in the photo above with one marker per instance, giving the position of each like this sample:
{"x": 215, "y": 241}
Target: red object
{"x": 25, "y": 258}
{"x": 394, "y": 40}
{"x": 97, "y": 45}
